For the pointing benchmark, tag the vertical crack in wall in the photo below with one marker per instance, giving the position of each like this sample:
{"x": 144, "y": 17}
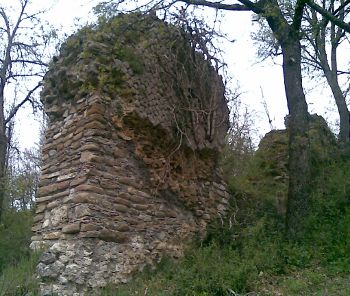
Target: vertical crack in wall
{"x": 130, "y": 168}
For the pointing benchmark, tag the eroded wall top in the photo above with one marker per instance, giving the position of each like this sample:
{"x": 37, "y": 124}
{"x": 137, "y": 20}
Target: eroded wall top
{"x": 152, "y": 69}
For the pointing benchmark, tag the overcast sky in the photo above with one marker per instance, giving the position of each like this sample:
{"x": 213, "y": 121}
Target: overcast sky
{"x": 253, "y": 78}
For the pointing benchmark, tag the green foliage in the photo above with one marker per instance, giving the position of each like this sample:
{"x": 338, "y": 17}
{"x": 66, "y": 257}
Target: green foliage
{"x": 246, "y": 251}
{"x": 104, "y": 53}
{"x": 262, "y": 185}
{"x": 237, "y": 251}
{"x": 127, "y": 53}
{"x": 15, "y": 233}
{"x": 17, "y": 263}
{"x": 239, "y": 149}
{"x": 329, "y": 222}
{"x": 120, "y": 35}
{"x": 19, "y": 279}
{"x": 22, "y": 179}
{"x": 206, "y": 270}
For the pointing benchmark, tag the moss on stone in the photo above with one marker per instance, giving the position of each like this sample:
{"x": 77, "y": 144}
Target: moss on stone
{"x": 102, "y": 55}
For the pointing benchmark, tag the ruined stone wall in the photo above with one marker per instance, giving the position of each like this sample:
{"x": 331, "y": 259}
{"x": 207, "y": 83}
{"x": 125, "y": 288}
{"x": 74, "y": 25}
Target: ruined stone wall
{"x": 130, "y": 161}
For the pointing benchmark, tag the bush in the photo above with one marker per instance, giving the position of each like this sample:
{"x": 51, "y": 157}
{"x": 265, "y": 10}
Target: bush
{"x": 15, "y": 233}
{"x": 208, "y": 270}
{"x": 19, "y": 279}
{"x": 245, "y": 252}
{"x": 329, "y": 222}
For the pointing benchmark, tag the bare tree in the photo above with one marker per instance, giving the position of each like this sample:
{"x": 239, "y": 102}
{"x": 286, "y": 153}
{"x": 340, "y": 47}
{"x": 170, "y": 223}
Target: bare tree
{"x": 321, "y": 43}
{"x": 23, "y": 179}
{"x": 286, "y": 29}
{"x": 240, "y": 146}
{"x": 23, "y": 51}
{"x": 324, "y": 39}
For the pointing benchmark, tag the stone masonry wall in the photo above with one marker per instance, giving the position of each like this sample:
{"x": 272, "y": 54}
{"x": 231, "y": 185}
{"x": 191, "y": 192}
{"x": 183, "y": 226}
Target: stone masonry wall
{"x": 130, "y": 161}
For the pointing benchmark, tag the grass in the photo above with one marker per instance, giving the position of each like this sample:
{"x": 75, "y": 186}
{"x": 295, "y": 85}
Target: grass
{"x": 17, "y": 263}
{"x": 245, "y": 255}
{"x": 213, "y": 271}
{"x": 315, "y": 281}
{"x": 15, "y": 233}
{"x": 252, "y": 257}
{"x": 207, "y": 271}
{"x": 19, "y": 279}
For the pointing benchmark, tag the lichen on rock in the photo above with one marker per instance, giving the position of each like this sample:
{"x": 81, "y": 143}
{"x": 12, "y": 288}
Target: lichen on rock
{"x": 130, "y": 164}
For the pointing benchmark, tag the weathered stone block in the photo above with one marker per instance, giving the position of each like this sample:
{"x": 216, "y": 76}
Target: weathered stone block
{"x": 171, "y": 214}
{"x": 38, "y": 218}
{"x": 90, "y": 147}
{"x": 87, "y": 197}
{"x": 121, "y": 208}
{"x": 59, "y": 215}
{"x": 122, "y": 201}
{"x": 36, "y": 238}
{"x": 52, "y": 235}
{"x": 95, "y": 125}
{"x": 141, "y": 207}
{"x": 87, "y": 156}
{"x": 112, "y": 236}
{"x": 82, "y": 211}
{"x": 123, "y": 227}
{"x": 40, "y": 208}
{"x": 37, "y": 227}
{"x": 95, "y": 109}
{"x": 89, "y": 234}
{"x": 66, "y": 177}
{"x": 71, "y": 228}
{"x": 78, "y": 181}
{"x": 90, "y": 188}
{"x": 48, "y": 258}
{"x": 52, "y": 205}
{"x": 47, "y": 190}
{"x": 89, "y": 227}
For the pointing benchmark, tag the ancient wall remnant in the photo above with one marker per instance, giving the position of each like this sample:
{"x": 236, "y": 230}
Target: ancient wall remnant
{"x": 137, "y": 117}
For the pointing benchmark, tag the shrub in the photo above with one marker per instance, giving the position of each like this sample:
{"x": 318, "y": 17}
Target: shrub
{"x": 19, "y": 279}
{"x": 15, "y": 233}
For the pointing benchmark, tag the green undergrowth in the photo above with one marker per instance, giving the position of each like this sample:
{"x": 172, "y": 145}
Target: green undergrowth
{"x": 15, "y": 234}
{"x": 17, "y": 263}
{"x": 248, "y": 254}
{"x": 19, "y": 279}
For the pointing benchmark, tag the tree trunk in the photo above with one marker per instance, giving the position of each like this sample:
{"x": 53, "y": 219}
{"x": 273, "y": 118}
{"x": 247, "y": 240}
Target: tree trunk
{"x": 3, "y": 148}
{"x": 344, "y": 128}
{"x": 332, "y": 79}
{"x": 3, "y": 155}
{"x": 299, "y": 149}
{"x": 298, "y": 204}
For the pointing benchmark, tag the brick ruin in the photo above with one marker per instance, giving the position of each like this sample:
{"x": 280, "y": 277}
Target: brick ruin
{"x": 130, "y": 169}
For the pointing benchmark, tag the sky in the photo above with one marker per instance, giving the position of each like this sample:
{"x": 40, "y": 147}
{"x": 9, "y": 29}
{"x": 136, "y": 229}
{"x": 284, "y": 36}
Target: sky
{"x": 63, "y": 15}
{"x": 257, "y": 81}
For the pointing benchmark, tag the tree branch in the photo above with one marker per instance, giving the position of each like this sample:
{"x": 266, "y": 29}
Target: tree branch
{"x": 341, "y": 7}
{"x": 340, "y": 72}
{"x": 23, "y": 45}
{"x": 245, "y": 6}
{"x": 26, "y": 99}
{"x": 39, "y": 63}
{"x": 298, "y": 14}
{"x": 14, "y": 76}
{"x": 329, "y": 16}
